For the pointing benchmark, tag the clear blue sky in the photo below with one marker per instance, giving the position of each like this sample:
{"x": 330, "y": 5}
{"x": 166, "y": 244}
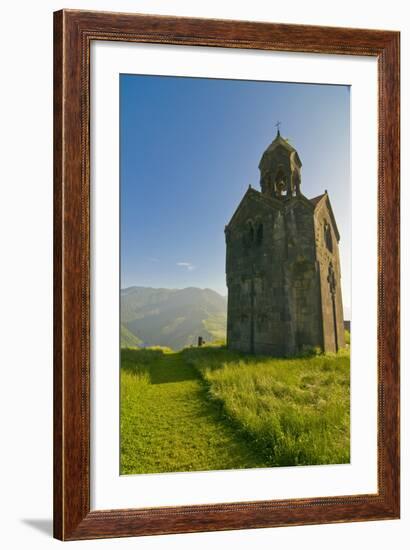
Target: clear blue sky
{"x": 189, "y": 149}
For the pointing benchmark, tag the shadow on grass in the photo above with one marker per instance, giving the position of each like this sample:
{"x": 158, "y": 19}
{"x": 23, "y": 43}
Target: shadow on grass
{"x": 162, "y": 368}
{"x": 183, "y": 429}
{"x": 216, "y": 357}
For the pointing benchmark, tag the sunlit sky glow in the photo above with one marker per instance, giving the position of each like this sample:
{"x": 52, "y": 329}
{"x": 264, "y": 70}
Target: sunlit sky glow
{"x": 190, "y": 147}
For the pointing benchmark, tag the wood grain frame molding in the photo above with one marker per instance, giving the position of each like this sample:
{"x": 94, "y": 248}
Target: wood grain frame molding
{"x": 73, "y": 33}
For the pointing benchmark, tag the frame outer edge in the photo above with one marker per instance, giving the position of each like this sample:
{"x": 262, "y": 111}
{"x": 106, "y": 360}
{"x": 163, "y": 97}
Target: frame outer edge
{"x": 71, "y": 232}
{"x": 58, "y": 492}
{"x": 72, "y": 517}
{"x": 390, "y": 263}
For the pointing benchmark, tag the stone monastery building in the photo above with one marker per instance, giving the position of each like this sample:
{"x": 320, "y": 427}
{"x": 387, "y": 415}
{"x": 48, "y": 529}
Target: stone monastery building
{"x": 282, "y": 264}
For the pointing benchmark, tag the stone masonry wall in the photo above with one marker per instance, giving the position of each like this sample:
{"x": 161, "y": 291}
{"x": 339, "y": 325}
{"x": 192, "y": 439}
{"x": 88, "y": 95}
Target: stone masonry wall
{"x": 258, "y": 313}
{"x": 272, "y": 277}
{"x": 302, "y": 277}
{"x": 333, "y": 337}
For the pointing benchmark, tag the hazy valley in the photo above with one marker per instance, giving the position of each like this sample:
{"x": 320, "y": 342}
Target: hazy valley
{"x": 171, "y": 317}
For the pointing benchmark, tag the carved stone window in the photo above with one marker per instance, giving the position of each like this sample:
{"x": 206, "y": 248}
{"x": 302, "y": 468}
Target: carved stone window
{"x": 328, "y": 237}
{"x": 259, "y": 234}
{"x": 331, "y": 279}
{"x": 280, "y": 183}
{"x": 251, "y": 233}
{"x": 248, "y": 236}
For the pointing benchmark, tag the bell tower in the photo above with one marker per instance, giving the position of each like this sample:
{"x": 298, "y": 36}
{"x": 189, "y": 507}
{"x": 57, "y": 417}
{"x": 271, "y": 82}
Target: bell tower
{"x": 282, "y": 264}
{"x": 280, "y": 168}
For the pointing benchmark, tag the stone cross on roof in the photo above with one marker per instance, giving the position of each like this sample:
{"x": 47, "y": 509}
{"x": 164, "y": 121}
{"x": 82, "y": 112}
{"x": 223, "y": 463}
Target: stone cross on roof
{"x": 277, "y": 125}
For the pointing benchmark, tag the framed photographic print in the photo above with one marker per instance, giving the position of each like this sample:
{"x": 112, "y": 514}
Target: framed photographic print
{"x": 226, "y": 288}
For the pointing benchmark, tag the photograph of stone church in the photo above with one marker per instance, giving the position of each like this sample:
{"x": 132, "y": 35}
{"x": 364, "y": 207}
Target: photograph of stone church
{"x": 235, "y": 265}
{"x": 282, "y": 264}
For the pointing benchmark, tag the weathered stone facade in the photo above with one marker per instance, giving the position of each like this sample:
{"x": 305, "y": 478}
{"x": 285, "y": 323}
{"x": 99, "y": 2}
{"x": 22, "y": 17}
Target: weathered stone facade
{"x": 282, "y": 264}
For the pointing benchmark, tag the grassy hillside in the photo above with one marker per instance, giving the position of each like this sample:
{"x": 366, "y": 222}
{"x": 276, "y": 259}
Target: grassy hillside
{"x": 209, "y": 408}
{"x": 297, "y": 411}
{"x": 167, "y": 422}
{"x": 128, "y": 339}
{"x": 173, "y": 317}
{"x": 215, "y": 325}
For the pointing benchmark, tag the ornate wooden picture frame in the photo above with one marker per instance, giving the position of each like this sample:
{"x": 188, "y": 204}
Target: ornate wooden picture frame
{"x": 74, "y": 32}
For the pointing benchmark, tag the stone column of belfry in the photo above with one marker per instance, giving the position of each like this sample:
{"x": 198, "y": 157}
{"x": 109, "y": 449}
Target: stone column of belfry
{"x": 279, "y": 246}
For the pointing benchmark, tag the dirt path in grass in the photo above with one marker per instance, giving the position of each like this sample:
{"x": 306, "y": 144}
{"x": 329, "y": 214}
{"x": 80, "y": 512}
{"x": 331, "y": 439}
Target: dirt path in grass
{"x": 169, "y": 425}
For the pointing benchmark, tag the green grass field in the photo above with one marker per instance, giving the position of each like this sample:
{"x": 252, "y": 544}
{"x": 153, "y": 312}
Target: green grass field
{"x": 212, "y": 409}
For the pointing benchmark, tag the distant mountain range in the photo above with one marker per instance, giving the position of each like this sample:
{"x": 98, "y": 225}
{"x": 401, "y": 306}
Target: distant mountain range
{"x": 171, "y": 317}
